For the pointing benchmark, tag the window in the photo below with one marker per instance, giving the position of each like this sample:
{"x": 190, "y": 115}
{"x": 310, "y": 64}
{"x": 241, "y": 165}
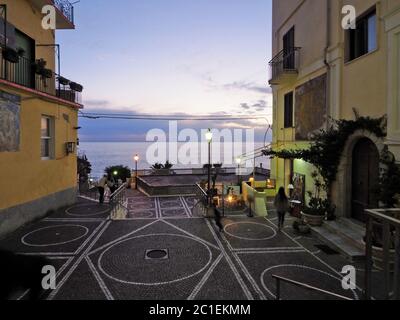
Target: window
{"x": 363, "y": 39}
{"x": 47, "y": 139}
{"x": 288, "y": 116}
{"x": 288, "y": 50}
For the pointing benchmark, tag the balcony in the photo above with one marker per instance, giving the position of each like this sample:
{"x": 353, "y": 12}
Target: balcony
{"x": 284, "y": 66}
{"x": 64, "y": 11}
{"x": 34, "y": 76}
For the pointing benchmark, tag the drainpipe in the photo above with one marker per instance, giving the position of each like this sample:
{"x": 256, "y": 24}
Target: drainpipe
{"x": 328, "y": 67}
{"x": 328, "y": 43}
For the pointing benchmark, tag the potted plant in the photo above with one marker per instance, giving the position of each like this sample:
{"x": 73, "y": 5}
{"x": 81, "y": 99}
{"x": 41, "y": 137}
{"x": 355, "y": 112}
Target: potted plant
{"x": 47, "y": 73}
{"x": 63, "y": 81}
{"x": 76, "y": 87}
{"x": 39, "y": 65}
{"x": 21, "y": 52}
{"x": 315, "y": 212}
{"x": 301, "y": 227}
{"x": 10, "y": 55}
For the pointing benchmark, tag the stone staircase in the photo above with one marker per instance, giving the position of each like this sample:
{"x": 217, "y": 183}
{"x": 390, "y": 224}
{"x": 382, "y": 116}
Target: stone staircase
{"x": 344, "y": 236}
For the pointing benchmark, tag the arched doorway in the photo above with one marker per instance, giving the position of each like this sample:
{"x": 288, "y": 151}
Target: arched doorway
{"x": 365, "y": 177}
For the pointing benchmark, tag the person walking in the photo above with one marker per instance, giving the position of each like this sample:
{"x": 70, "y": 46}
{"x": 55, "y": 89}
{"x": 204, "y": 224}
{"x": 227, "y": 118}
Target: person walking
{"x": 281, "y": 204}
{"x": 101, "y": 187}
{"x": 217, "y": 216}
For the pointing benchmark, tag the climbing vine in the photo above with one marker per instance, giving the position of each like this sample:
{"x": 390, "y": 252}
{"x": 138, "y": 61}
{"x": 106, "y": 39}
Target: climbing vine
{"x": 328, "y": 145}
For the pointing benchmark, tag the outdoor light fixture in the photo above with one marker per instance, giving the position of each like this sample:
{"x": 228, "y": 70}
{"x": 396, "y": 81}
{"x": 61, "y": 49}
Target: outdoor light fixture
{"x": 115, "y": 173}
{"x": 70, "y": 147}
{"x": 209, "y": 137}
{"x": 136, "y": 158}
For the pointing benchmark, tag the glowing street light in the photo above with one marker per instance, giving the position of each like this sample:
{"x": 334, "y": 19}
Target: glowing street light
{"x": 209, "y": 137}
{"x": 136, "y": 159}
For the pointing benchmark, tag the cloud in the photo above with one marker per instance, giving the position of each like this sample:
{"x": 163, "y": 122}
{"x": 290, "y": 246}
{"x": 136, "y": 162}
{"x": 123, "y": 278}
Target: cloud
{"x": 99, "y": 129}
{"x": 249, "y": 86}
{"x": 96, "y": 103}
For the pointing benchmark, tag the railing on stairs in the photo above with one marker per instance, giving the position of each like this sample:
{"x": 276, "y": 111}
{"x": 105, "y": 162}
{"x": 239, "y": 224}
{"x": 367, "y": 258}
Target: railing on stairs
{"x": 383, "y": 223}
{"x": 201, "y": 206}
{"x": 117, "y": 203}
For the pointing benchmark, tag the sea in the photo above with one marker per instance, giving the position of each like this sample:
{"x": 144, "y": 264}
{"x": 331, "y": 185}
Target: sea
{"x": 104, "y": 154}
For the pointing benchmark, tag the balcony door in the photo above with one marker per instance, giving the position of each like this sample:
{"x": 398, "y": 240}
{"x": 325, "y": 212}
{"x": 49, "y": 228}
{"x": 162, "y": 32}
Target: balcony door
{"x": 23, "y": 72}
{"x": 288, "y": 50}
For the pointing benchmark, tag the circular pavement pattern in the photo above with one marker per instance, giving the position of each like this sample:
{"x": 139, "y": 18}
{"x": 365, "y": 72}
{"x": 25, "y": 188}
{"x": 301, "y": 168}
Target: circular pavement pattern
{"x": 87, "y": 210}
{"x": 125, "y": 261}
{"x": 305, "y": 274}
{"x": 250, "y": 231}
{"x": 54, "y": 235}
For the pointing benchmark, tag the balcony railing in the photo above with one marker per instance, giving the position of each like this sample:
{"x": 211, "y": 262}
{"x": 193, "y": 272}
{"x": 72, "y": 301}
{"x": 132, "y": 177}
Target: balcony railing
{"x": 285, "y": 62}
{"x": 66, "y": 8}
{"x": 23, "y": 73}
{"x": 383, "y": 229}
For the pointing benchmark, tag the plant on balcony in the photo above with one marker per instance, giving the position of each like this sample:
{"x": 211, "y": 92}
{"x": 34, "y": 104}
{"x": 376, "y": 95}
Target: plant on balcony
{"x": 11, "y": 55}
{"x": 39, "y": 65}
{"x": 76, "y": 87}
{"x": 21, "y": 52}
{"x": 47, "y": 73}
{"x": 63, "y": 81}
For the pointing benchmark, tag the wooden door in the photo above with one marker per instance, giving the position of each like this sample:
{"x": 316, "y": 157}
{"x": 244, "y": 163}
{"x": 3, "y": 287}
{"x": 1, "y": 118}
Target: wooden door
{"x": 365, "y": 178}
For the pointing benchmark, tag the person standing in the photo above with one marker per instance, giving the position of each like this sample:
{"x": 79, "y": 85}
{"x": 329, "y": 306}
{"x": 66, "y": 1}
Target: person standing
{"x": 281, "y": 204}
{"x": 101, "y": 187}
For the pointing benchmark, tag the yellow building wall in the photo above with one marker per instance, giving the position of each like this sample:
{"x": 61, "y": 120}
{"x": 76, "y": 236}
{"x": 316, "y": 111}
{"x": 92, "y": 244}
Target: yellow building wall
{"x": 24, "y": 175}
{"x": 363, "y": 84}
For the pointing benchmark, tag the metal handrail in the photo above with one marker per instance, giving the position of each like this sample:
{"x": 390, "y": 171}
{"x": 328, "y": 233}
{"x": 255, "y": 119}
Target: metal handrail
{"x": 281, "y": 55}
{"x": 22, "y": 73}
{"x": 304, "y": 286}
{"x": 388, "y": 224}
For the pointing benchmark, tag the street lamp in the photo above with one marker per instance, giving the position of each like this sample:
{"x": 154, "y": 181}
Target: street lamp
{"x": 238, "y": 161}
{"x": 209, "y": 137}
{"x": 136, "y": 158}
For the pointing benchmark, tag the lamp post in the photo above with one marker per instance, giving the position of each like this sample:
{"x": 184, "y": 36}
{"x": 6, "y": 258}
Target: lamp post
{"x": 136, "y": 158}
{"x": 209, "y": 137}
{"x": 238, "y": 161}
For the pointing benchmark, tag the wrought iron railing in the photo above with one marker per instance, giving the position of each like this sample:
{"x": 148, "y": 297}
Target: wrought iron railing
{"x": 24, "y": 74}
{"x": 66, "y": 8}
{"x": 385, "y": 225}
{"x": 286, "y": 61}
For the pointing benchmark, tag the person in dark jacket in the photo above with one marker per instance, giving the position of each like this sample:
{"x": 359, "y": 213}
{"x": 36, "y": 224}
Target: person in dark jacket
{"x": 281, "y": 204}
{"x": 217, "y": 216}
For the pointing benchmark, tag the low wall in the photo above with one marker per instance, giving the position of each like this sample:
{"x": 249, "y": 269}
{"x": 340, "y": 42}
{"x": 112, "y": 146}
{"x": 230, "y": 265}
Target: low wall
{"x": 168, "y": 190}
{"x": 15, "y": 217}
{"x": 259, "y": 205}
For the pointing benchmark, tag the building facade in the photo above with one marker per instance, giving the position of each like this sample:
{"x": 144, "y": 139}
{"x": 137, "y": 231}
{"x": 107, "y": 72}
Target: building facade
{"x": 38, "y": 115}
{"x": 322, "y": 70}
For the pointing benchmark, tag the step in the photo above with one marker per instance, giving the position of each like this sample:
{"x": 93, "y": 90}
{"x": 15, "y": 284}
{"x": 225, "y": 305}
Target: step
{"x": 347, "y": 229}
{"x": 339, "y": 243}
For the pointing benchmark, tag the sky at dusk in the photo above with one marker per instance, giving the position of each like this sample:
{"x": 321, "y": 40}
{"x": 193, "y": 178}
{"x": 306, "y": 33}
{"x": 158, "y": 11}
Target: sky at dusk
{"x": 167, "y": 57}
